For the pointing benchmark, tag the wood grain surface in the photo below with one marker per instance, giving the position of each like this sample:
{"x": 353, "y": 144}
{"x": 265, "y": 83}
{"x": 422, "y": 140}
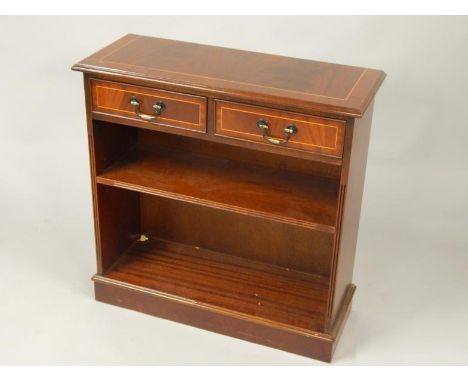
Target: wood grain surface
{"x": 341, "y": 89}
{"x": 198, "y": 218}
{"x": 272, "y": 194}
{"x": 321, "y": 135}
{"x": 181, "y": 110}
{"x": 226, "y": 282}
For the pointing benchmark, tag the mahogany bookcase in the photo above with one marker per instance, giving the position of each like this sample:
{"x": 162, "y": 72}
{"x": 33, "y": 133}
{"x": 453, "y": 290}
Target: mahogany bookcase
{"x": 227, "y": 187}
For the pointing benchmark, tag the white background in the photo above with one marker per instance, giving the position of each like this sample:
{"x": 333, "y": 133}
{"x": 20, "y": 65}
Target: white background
{"x": 411, "y": 306}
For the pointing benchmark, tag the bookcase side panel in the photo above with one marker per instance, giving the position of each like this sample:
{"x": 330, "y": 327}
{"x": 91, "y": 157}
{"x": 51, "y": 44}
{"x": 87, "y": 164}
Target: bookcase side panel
{"x": 353, "y": 176}
{"x": 92, "y": 165}
{"x": 115, "y": 212}
{"x": 119, "y": 222}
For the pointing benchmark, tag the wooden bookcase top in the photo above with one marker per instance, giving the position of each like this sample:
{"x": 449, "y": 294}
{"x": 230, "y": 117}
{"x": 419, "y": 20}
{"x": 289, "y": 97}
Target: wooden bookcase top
{"x": 279, "y": 80}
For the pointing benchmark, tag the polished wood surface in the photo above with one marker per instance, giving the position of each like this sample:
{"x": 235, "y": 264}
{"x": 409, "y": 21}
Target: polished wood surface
{"x": 353, "y": 176}
{"x": 212, "y": 149}
{"x": 268, "y": 241}
{"x": 319, "y": 135}
{"x": 341, "y": 89}
{"x": 226, "y": 184}
{"x": 118, "y": 223}
{"x": 307, "y": 343}
{"x": 198, "y": 218}
{"x": 226, "y": 282}
{"x": 181, "y": 110}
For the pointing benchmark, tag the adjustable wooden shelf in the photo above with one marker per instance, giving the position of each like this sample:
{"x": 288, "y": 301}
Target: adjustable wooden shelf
{"x": 227, "y": 187}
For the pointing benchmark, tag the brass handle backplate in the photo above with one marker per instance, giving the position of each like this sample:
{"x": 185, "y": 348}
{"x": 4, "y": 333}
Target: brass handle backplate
{"x": 288, "y": 131}
{"x": 158, "y": 109}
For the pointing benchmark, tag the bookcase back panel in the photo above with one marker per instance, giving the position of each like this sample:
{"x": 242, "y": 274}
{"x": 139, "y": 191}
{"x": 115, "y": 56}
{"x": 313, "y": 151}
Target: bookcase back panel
{"x": 250, "y": 237}
{"x": 251, "y": 157}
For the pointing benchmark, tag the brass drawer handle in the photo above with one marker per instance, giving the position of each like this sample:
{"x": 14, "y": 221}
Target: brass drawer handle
{"x": 288, "y": 131}
{"x": 158, "y": 109}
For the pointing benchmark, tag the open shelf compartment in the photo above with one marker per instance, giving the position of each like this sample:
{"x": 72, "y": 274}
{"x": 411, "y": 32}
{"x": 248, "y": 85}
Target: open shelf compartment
{"x": 232, "y": 230}
{"x": 225, "y": 282}
{"x": 215, "y": 258}
{"x": 220, "y": 182}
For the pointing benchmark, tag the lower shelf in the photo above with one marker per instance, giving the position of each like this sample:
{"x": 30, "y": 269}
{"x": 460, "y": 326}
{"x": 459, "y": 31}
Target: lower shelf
{"x": 222, "y": 282}
{"x": 304, "y": 342}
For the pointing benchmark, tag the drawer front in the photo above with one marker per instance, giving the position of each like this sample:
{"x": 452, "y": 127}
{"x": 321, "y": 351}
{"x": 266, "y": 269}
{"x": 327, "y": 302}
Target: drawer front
{"x": 172, "y": 109}
{"x": 280, "y": 128}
